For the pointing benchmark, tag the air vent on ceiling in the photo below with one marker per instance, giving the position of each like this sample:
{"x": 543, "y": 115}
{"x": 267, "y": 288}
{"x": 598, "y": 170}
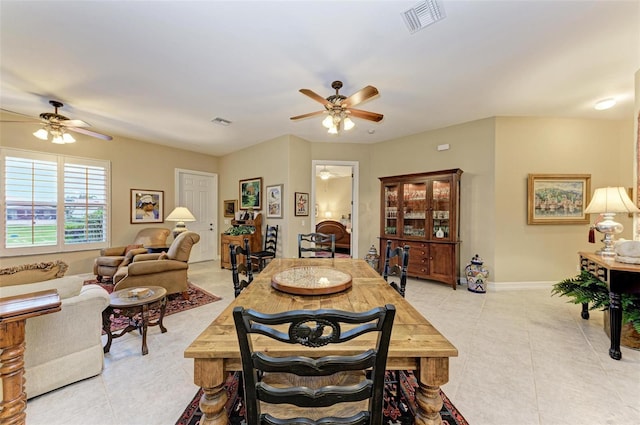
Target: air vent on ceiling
{"x": 221, "y": 121}
{"x": 422, "y": 15}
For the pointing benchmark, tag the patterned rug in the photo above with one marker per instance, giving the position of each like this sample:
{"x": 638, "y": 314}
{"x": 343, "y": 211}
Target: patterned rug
{"x": 399, "y": 404}
{"x": 175, "y": 304}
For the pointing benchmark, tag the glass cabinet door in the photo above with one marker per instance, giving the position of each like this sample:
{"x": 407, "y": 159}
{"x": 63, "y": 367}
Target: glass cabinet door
{"x": 414, "y": 203}
{"x": 440, "y": 209}
{"x": 391, "y": 198}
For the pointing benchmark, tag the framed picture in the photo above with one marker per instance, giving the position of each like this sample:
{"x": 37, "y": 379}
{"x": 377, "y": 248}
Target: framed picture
{"x": 558, "y": 198}
{"x": 274, "y": 201}
{"x": 230, "y": 207}
{"x": 147, "y": 206}
{"x": 302, "y": 204}
{"x": 251, "y": 193}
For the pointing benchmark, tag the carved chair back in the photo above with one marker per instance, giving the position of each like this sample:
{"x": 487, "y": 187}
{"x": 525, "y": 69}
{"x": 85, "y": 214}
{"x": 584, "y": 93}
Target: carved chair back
{"x": 313, "y": 329}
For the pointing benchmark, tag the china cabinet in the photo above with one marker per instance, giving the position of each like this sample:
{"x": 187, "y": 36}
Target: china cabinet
{"x": 422, "y": 210}
{"x": 255, "y": 239}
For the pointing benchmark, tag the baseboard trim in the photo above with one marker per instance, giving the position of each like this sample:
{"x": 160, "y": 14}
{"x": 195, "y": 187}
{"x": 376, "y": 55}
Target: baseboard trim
{"x": 514, "y": 286}
{"x": 518, "y": 286}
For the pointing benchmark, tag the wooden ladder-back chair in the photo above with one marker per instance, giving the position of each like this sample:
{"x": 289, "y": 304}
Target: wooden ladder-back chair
{"x": 316, "y": 242}
{"x": 398, "y": 269}
{"x": 270, "y": 246}
{"x": 236, "y": 269}
{"x": 309, "y": 385}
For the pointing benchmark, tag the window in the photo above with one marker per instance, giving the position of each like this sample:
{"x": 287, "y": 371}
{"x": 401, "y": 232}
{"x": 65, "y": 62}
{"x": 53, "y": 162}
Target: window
{"x": 53, "y": 203}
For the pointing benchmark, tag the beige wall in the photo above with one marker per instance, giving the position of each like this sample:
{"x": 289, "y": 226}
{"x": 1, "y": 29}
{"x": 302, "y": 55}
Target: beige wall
{"x": 283, "y": 160}
{"x": 496, "y": 154}
{"x": 333, "y": 195}
{"x": 526, "y": 253}
{"x": 472, "y": 150}
{"x": 134, "y": 165}
{"x": 636, "y": 143}
{"x": 299, "y": 181}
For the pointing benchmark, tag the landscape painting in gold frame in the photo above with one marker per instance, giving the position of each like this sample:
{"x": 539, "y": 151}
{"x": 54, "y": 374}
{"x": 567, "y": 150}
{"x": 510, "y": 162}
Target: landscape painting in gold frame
{"x": 558, "y": 198}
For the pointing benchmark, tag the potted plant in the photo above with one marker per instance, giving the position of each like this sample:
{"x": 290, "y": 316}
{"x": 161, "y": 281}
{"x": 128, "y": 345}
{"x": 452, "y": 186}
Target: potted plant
{"x": 585, "y": 288}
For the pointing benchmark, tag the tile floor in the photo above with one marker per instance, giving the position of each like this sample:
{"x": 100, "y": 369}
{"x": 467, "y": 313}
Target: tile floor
{"x": 525, "y": 357}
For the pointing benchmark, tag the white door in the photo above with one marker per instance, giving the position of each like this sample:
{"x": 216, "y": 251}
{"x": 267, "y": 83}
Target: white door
{"x": 199, "y": 193}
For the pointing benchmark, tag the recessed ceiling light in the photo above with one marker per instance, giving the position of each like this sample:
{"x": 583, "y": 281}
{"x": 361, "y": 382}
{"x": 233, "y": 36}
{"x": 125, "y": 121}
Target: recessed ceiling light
{"x": 605, "y": 104}
{"x": 371, "y": 131}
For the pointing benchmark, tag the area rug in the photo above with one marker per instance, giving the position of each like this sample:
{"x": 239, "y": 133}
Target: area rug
{"x": 399, "y": 403}
{"x": 175, "y": 303}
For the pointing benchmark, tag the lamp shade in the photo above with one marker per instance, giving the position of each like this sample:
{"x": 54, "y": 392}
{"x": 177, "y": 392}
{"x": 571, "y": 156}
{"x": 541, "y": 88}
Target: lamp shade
{"x": 180, "y": 214}
{"x": 611, "y": 200}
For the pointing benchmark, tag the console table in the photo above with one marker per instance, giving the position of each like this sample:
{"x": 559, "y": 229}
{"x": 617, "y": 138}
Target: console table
{"x": 14, "y": 311}
{"x": 619, "y": 278}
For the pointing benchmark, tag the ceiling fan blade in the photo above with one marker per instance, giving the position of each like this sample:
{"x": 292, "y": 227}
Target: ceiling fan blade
{"x": 73, "y": 123}
{"x": 371, "y": 116}
{"x": 25, "y": 121}
{"x": 315, "y": 96}
{"x": 17, "y": 113}
{"x": 360, "y": 96}
{"x": 310, "y": 114}
{"x": 90, "y": 133}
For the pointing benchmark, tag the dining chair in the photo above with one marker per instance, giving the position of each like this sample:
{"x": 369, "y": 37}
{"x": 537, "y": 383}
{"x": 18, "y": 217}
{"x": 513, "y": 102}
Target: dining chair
{"x": 308, "y": 384}
{"x": 270, "y": 245}
{"x": 236, "y": 269}
{"x": 316, "y": 243}
{"x": 397, "y": 270}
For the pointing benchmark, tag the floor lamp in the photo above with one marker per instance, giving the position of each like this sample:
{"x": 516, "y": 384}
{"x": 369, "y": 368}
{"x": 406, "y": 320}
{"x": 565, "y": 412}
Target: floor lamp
{"x": 608, "y": 201}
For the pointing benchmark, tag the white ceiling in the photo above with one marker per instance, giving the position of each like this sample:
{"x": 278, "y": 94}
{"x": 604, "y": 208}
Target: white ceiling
{"x": 161, "y": 71}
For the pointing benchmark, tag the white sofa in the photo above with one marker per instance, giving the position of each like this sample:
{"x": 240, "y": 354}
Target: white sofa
{"x": 62, "y": 347}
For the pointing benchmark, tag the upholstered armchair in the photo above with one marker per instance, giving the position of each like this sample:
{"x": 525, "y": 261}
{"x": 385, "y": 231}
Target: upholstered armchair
{"x": 168, "y": 270}
{"x": 111, "y": 259}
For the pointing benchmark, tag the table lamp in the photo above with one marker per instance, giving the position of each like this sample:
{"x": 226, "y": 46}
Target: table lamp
{"x": 608, "y": 201}
{"x": 180, "y": 214}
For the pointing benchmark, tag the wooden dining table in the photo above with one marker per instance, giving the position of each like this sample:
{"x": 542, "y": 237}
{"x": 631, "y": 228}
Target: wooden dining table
{"x": 415, "y": 343}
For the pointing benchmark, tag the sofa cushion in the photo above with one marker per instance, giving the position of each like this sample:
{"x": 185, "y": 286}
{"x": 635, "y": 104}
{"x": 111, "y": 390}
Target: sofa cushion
{"x": 68, "y": 286}
{"x": 30, "y": 273}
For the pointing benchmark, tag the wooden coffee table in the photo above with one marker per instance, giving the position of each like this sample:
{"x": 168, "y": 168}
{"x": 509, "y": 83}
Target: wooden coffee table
{"x": 134, "y": 303}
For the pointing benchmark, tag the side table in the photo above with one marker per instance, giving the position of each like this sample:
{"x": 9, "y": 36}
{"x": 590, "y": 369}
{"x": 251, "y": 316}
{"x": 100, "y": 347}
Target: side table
{"x": 156, "y": 249}
{"x": 620, "y": 278}
{"x": 134, "y": 303}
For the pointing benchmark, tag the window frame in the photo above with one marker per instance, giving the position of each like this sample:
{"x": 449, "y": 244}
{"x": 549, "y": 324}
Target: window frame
{"x": 60, "y": 160}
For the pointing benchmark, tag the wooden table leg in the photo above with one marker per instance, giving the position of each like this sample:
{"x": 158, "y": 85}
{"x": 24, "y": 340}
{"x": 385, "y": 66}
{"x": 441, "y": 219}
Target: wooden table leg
{"x": 585, "y": 311}
{"x": 106, "y": 327}
{"x": 14, "y": 399}
{"x": 209, "y": 374}
{"x": 163, "y": 308}
{"x": 143, "y": 328}
{"x": 14, "y": 312}
{"x": 615, "y": 324}
{"x": 433, "y": 373}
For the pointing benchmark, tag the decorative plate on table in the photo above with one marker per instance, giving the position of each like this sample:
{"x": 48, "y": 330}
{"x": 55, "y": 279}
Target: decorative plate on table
{"x": 137, "y": 293}
{"x": 311, "y": 280}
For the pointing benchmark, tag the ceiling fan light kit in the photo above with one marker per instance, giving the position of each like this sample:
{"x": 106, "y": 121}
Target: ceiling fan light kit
{"x": 56, "y": 126}
{"x": 339, "y": 108}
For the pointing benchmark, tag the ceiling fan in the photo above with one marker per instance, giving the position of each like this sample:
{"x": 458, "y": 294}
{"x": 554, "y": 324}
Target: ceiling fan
{"x": 340, "y": 108}
{"x": 57, "y": 125}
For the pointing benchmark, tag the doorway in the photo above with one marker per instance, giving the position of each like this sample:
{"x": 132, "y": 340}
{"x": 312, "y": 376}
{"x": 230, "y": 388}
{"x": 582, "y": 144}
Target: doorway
{"x": 198, "y": 191}
{"x": 334, "y": 195}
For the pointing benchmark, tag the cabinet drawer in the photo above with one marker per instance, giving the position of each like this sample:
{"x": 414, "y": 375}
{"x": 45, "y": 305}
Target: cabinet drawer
{"x": 418, "y": 270}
